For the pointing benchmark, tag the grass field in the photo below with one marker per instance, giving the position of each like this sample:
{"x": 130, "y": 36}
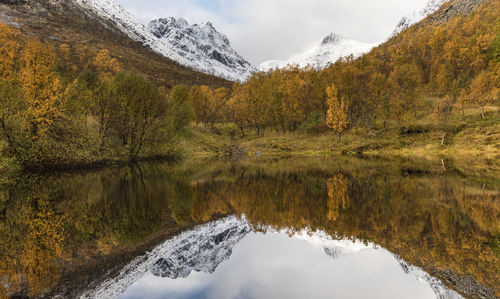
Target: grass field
{"x": 473, "y": 143}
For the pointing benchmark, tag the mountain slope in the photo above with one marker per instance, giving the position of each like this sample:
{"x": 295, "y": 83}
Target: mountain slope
{"x": 438, "y": 11}
{"x": 199, "y": 47}
{"x": 418, "y": 15}
{"x": 66, "y": 21}
{"x": 329, "y": 51}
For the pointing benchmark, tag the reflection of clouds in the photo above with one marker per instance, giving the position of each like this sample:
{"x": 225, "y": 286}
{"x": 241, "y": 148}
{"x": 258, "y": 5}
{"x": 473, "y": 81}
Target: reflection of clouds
{"x": 273, "y": 265}
{"x": 277, "y": 264}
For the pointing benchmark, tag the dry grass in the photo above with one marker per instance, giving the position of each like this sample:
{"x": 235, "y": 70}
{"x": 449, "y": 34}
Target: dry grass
{"x": 474, "y": 144}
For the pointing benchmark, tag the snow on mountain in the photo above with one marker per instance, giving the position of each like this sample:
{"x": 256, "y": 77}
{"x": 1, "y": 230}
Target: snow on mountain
{"x": 201, "y": 44}
{"x": 205, "y": 247}
{"x": 201, "y": 249}
{"x": 435, "y": 284}
{"x": 418, "y": 15}
{"x": 332, "y": 247}
{"x": 200, "y": 47}
{"x": 329, "y": 51}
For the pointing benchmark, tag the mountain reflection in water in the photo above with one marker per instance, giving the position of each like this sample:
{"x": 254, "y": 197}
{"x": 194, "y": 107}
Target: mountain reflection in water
{"x": 418, "y": 230}
{"x": 224, "y": 260}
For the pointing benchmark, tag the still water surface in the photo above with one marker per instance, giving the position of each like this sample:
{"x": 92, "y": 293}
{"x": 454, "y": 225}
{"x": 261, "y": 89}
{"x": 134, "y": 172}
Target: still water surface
{"x": 274, "y": 265}
{"x": 288, "y": 228}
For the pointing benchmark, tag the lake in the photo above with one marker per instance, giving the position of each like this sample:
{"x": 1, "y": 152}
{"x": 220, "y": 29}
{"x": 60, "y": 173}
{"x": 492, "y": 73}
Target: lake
{"x": 253, "y": 228}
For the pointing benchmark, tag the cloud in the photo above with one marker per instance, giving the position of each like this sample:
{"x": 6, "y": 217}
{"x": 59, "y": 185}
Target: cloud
{"x": 276, "y": 29}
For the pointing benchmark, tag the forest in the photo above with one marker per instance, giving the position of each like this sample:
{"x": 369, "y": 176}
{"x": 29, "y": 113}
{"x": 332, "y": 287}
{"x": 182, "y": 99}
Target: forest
{"x": 424, "y": 70}
{"x": 65, "y": 107}
{"x": 61, "y": 109}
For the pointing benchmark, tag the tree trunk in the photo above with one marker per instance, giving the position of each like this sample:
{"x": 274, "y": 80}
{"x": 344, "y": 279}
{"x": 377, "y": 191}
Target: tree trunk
{"x": 442, "y": 139}
{"x": 482, "y": 111}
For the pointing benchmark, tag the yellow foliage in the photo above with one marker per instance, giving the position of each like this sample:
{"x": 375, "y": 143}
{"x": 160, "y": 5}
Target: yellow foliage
{"x": 41, "y": 86}
{"x": 338, "y": 196}
{"x": 105, "y": 64}
{"x": 43, "y": 248}
{"x": 484, "y": 89}
{"x": 9, "y": 46}
{"x": 336, "y": 117}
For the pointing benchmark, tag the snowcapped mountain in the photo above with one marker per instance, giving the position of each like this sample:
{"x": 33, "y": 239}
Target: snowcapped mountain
{"x": 329, "y": 51}
{"x": 418, "y": 15}
{"x": 200, "y": 47}
{"x": 202, "y": 44}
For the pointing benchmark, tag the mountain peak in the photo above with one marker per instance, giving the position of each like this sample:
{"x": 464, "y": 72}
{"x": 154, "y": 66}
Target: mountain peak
{"x": 332, "y": 38}
{"x": 332, "y": 48}
{"x": 208, "y": 24}
{"x": 202, "y": 45}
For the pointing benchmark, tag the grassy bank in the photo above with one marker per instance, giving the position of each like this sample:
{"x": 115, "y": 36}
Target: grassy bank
{"x": 473, "y": 142}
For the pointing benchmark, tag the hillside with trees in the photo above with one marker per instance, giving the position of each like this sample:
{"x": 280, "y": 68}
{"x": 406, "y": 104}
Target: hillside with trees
{"x": 431, "y": 70}
{"x": 433, "y": 88}
{"x": 85, "y": 33}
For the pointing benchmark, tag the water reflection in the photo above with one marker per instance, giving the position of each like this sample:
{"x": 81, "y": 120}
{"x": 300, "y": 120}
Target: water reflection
{"x": 60, "y": 234}
{"x": 236, "y": 263}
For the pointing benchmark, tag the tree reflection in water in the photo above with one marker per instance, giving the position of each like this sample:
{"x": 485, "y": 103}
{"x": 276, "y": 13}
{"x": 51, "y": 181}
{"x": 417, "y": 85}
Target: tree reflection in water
{"x": 65, "y": 229}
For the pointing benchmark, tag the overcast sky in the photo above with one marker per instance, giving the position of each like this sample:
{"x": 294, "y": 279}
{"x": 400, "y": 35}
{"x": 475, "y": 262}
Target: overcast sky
{"x": 261, "y": 30}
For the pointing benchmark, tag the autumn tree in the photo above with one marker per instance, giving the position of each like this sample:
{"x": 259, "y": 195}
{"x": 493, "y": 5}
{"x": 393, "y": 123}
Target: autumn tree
{"x": 255, "y": 94}
{"x": 204, "y": 108}
{"x": 9, "y": 47}
{"x": 138, "y": 112}
{"x": 338, "y": 196}
{"x": 405, "y": 80}
{"x": 9, "y": 88}
{"x": 238, "y": 107}
{"x": 379, "y": 97}
{"x": 195, "y": 98}
{"x": 442, "y": 112}
{"x": 484, "y": 90}
{"x": 41, "y": 87}
{"x": 445, "y": 79}
{"x": 218, "y": 102}
{"x": 10, "y": 105}
{"x": 337, "y": 111}
{"x": 179, "y": 111}
{"x": 106, "y": 65}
